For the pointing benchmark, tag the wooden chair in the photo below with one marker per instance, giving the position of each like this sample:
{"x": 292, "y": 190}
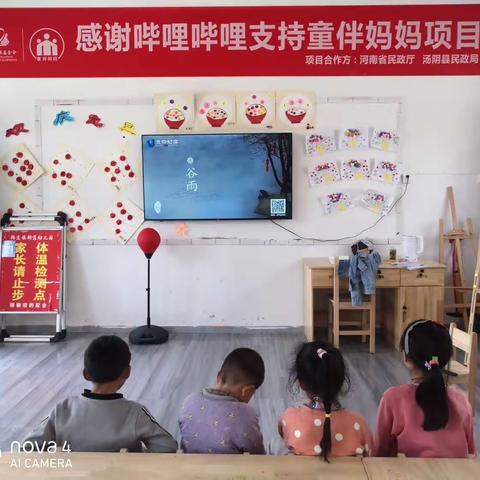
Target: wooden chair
{"x": 464, "y": 372}
{"x": 336, "y": 305}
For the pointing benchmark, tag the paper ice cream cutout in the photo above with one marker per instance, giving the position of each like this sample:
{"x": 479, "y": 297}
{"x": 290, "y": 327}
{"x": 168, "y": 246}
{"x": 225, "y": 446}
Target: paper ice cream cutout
{"x": 377, "y": 202}
{"x": 336, "y": 203}
{"x": 174, "y": 111}
{"x": 385, "y": 140}
{"x": 354, "y": 169}
{"x": 319, "y": 143}
{"x": 353, "y": 139}
{"x": 123, "y": 219}
{"x": 321, "y": 173}
{"x": 387, "y": 172}
{"x": 256, "y": 109}
{"x": 296, "y": 110}
{"x": 215, "y": 111}
{"x": 68, "y": 169}
{"x": 20, "y": 168}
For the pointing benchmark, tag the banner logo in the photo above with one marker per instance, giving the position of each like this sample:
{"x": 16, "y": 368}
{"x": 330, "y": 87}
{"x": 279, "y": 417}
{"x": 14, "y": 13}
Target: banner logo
{"x": 47, "y": 45}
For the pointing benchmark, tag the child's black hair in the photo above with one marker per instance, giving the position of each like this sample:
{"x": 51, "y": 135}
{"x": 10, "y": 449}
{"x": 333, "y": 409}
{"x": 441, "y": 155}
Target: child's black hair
{"x": 106, "y": 358}
{"x": 429, "y": 346}
{"x": 321, "y": 372}
{"x": 243, "y": 366}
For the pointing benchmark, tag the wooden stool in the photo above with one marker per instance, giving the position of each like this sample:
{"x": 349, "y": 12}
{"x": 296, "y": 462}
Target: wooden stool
{"x": 366, "y": 324}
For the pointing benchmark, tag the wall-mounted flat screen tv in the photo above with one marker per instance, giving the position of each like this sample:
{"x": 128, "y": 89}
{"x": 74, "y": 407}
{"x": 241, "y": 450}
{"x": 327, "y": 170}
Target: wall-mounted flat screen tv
{"x": 242, "y": 176}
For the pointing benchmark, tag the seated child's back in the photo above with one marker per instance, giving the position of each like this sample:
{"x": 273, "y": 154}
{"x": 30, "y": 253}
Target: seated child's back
{"x": 425, "y": 418}
{"x": 219, "y": 420}
{"x": 322, "y": 427}
{"x": 102, "y": 420}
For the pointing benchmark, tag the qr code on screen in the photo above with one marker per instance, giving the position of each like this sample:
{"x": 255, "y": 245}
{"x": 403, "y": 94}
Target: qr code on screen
{"x": 278, "y": 206}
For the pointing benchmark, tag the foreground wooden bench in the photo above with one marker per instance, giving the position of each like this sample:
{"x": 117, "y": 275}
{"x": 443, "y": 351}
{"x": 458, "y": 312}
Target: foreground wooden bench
{"x": 138, "y": 466}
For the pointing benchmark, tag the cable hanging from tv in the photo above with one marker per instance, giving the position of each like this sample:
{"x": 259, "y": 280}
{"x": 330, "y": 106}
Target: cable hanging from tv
{"x": 301, "y": 237}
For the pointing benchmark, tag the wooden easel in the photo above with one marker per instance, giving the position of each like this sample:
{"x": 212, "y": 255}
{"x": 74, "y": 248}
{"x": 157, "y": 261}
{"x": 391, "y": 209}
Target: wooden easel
{"x": 455, "y": 237}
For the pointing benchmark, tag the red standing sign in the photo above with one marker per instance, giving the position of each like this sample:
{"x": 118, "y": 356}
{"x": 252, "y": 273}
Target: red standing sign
{"x": 31, "y": 270}
{"x": 241, "y": 41}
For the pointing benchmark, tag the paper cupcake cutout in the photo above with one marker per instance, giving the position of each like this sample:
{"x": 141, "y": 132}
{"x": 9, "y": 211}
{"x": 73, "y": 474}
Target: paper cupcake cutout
{"x": 355, "y": 169}
{"x": 174, "y": 111}
{"x": 296, "y": 110}
{"x": 256, "y": 109}
{"x": 336, "y": 203}
{"x": 387, "y": 172}
{"x": 385, "y": 140}
{"x": 20, "y": 168}
{"x": 376, "y": 202}
{"x": 319, "y": 143}
{"x": 215, "y": 111}
{"x": 321, "y": 173}
{"x": 353, "y": 139}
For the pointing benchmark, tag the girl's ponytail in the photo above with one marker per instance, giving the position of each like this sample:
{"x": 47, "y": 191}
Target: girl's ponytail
{"x": 431, "y": 396}
{"x": 326, "y": 443}
{"x": 429, "y": 347}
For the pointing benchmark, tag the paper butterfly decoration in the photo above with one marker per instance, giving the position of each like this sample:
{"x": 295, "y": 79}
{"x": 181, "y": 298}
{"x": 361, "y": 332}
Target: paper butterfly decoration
{"x": 324, "y": 173}
{"x": 319, "y": 144}
{"x": 355, "y": 169}
{"x": 386, "y": 172}
{"x": 20, "y": 168}
{"x": 123, "y": 219}
{"x": 377, "y": 202}
{"x": 353, "y": 138}
{"x": 337, "y": 202}
{"x": 385, "y": 140}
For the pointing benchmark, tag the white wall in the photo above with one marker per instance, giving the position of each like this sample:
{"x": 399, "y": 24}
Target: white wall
{"x": 259, "y": 285}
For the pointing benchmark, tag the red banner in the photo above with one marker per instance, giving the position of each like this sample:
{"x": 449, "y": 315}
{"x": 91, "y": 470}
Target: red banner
{"x": 236, "y": 41}
{"x": 30, "y": 271}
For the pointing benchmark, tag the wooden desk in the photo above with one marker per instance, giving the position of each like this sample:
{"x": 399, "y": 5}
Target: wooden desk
{"x": 422, "y": 468}
{"x": 417, "y": 293}
{"x": 151, "y": 466}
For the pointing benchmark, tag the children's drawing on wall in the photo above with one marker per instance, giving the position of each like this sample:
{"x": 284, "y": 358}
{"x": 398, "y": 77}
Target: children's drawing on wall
{"x": 387, "y": 172}
{"x": 80, "y": 217}
{"x": 256, "y": 109}
{"x": 20, "y": 168}
{"x": 20, "y": 204}
{"x": 68, "y": 169}
{"x": 376, "y": 202}
{"x": 337, "y": 202}
{"x": 320, "y": 143}
{"x": 322, "y": 173}
{"x": 385, "y": 140}
{"x": 353, "y": 138}
{"x": 355, "y": 169}
{"x": 215, "y": 111}
{"x": 174, "y": 111}
{"x": 120, "y": 168}
{"x": 123, "y": 218}
{"x": 296, "y": 110}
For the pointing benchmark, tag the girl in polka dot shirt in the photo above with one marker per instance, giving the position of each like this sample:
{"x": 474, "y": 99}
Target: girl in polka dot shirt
{"x": 322, "y": 426}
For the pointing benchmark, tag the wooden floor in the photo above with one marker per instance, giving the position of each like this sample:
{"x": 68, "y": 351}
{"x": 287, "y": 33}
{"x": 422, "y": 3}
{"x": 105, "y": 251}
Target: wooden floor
{"x": 33, "y": 377}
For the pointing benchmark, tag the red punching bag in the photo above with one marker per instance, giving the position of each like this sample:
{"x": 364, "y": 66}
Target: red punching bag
{"x": 148, "y": 240}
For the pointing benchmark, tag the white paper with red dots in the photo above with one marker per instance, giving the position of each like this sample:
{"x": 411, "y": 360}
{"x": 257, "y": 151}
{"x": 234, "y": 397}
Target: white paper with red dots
{"x": 20, "y": 205}
{"x": 68, "y": 169}
{"x": 121, "y": 169}
{"x": 296, "y": 110}
{"x": 20, "y": 168}
{"x": 79, "y": 218}
{"x": 215, "y": 111}
{"x": 123, "y": 219}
